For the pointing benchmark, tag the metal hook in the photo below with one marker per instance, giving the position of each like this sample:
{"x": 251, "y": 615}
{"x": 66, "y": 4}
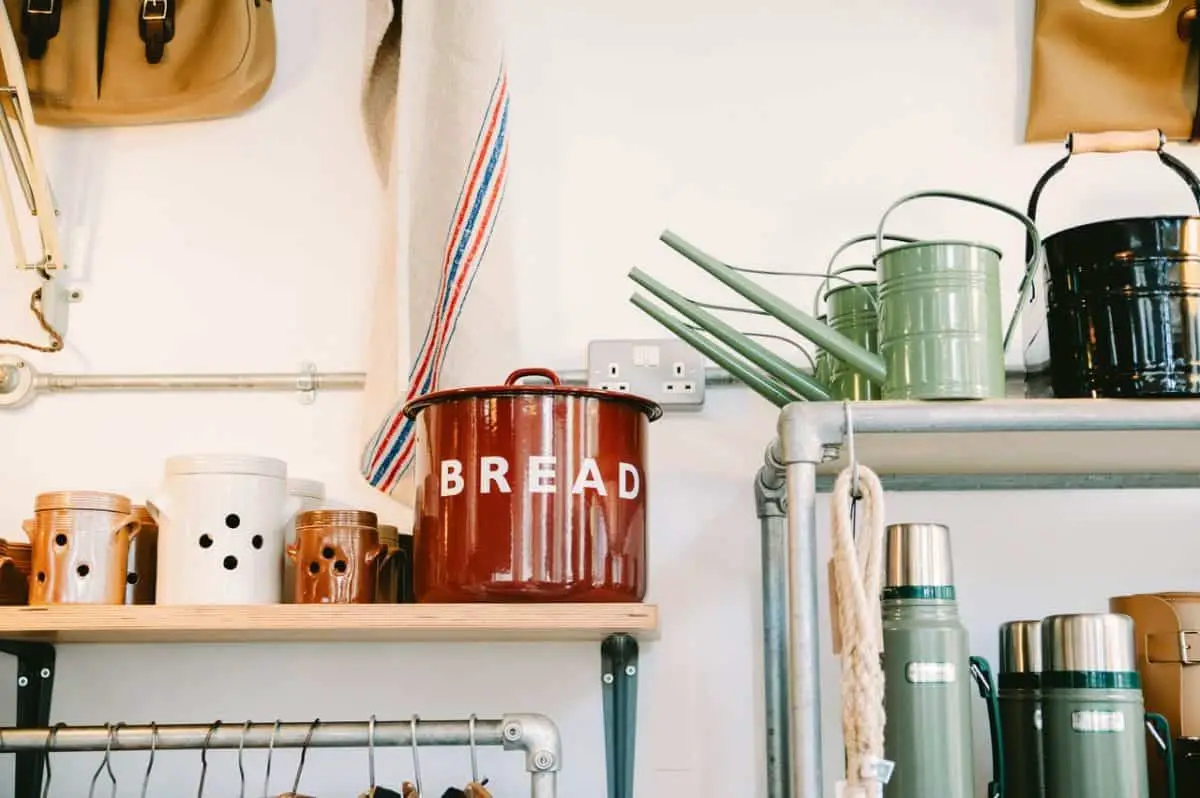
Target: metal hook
{"x": 304, "y": 753}
{"x": 104, "y": 764}
{"x": 49, "y": 746}
{"x": 204, "y": 757}
{"x": 471, "y": 745}
{"x": 416, "y": 757}
{"x": 270, "y": 754}
{"x": 855, "y": 492}
{"x": 150, "y": 764}
{"x": 241, "y": 765}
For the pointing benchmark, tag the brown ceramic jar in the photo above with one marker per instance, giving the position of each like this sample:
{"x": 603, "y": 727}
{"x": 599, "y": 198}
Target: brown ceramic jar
{"x": 15, "y": 564}
{"x": 80, "y": 542}
{"x": 338, "y": 556}
{"x": 142, "y": 572}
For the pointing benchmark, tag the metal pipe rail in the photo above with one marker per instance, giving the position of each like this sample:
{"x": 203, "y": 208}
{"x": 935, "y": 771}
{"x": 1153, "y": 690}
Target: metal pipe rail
{"x": 535, "y": 735}
{"x": 20, "y": 382}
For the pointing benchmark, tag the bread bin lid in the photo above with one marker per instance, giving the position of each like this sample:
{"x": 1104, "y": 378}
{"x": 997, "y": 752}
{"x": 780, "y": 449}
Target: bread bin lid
{"x": 512, "y": 387}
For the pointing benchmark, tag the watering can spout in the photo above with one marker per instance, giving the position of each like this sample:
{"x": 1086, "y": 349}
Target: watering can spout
{"x": 862, "y": 360}
{"x": 774, "y": 365}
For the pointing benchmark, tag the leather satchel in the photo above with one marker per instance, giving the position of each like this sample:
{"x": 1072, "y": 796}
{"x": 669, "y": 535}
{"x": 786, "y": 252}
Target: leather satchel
{"x": 131, "y": 62}
{"x": 1101, "y": 65}
{"x": 1167, "y": 641}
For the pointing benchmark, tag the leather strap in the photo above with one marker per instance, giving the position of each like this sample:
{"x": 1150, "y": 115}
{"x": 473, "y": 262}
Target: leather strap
{"x": 156, "y": 25}
{"x": 1180, "y": 647}
{"x": 40, "y": 21}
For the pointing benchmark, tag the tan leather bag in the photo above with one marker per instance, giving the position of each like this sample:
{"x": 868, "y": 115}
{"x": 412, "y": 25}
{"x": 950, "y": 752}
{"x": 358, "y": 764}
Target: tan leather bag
{"x": 130, "y": 62}
{"x": 1098, "y": 68}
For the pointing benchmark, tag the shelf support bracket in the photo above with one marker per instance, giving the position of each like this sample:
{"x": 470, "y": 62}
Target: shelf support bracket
{"x": 35, "y": 687}
{"x": 618, "y": 674}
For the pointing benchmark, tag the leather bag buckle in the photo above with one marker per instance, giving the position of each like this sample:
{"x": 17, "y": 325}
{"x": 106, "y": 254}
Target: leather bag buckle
{"x": 1176, "y": 647}
{"x": 156, "y": 26}
{"x": 40, "y": 21}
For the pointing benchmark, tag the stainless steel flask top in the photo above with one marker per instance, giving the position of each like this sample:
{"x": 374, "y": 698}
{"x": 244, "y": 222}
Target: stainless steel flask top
{"x": 918, "y": 556}
{"x": 1095, "y": 642}
{"x": 1021, "y": 647}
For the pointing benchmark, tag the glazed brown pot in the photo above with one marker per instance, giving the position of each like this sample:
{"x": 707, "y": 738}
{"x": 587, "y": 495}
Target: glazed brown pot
{"x": 338, "y": 556}
{"x": 142, "y": 572}
{"x": 387, "y": 591}
{"x": 80, "y": 542}
{"x": 531, "y": 492}
{"x": 15, "y": 565}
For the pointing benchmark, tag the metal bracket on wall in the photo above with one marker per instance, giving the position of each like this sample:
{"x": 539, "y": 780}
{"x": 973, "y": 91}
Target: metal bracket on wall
{"x": 618, "y": 674}
{"x": 35, "y": 687}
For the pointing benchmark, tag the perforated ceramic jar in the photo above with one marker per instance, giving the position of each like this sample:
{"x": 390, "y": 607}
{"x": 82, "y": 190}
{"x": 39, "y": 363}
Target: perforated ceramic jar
{"x": 80, "y": 547}
{"x": 311, "y": 495}
{"x": 221, "y": 525}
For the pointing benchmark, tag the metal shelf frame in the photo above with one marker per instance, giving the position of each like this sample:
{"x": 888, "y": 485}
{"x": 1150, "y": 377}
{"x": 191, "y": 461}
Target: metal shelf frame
{"x": 813, "y": 433}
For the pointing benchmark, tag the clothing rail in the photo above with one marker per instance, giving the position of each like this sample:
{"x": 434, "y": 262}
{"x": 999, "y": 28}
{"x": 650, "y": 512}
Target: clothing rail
{"x": 535, "y": 735}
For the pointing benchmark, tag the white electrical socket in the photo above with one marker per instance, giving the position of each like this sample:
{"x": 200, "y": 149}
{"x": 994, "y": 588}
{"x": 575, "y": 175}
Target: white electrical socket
{"x": 666, "y": 370}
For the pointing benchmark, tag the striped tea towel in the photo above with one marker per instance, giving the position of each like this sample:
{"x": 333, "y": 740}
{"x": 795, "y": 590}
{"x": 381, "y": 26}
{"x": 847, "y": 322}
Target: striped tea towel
{"x": 436, "y": 108}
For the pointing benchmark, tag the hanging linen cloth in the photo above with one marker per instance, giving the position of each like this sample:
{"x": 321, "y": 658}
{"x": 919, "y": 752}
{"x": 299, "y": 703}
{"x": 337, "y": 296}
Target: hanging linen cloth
{"x": 436, "y": 111}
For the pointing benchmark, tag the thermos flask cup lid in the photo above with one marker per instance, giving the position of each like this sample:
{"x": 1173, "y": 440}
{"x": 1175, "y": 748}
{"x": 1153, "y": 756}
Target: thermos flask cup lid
{"x": 1021, "y": 647}
{"x": 918, "y": 555}
{"x": 1096, "y": 642}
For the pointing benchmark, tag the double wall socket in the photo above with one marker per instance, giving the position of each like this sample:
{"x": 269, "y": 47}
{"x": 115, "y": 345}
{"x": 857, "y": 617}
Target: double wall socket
{"x": 666, "y": 370}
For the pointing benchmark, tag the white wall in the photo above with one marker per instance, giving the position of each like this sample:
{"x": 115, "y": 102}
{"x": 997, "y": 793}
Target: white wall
{"x": 766, "y": 131}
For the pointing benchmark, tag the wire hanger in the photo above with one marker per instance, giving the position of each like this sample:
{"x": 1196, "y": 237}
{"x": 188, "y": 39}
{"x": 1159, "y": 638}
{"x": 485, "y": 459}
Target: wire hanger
{"x": 241, "y": 764}
{"x": 855, "y": 492}
{"x": 270, "y": 754}
{"x": 204, "y": 757}
{"x": 49, "y": 746}
{"x": 416, "y": 761}
{"x": 106, "y": 763}
{"x": 303, "y": 754}
{"x": 371, "y": 754}
{"x": 150, "y": 762}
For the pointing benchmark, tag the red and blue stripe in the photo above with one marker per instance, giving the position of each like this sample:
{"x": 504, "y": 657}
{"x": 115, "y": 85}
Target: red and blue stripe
{"x": 390, "y": 452}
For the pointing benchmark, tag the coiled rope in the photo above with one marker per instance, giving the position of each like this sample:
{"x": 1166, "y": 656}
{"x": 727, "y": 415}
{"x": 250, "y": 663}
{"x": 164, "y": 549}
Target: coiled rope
{"x": 858, "y": 580}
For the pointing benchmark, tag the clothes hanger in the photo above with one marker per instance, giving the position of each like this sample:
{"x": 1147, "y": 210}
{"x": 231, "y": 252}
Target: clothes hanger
{"x": 106, "y": 763}
{"x": 374, "y": 791}
{"x": 49, "y": 745}
{"x": 150, "y": 763}
{"x": 408, "y": 789}
{"x": 241, "y": 765}
{"x": 270, "y": 754}
{"x": 204, "y": 757}
{"x": 303, "y": 755}
{"x": 475, "y": 788}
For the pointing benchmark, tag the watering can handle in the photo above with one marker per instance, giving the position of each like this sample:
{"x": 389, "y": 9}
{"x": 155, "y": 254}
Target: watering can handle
{"x": 831, "y": 272}
{"x": 981, "y": 672}
{"x": 1032, "y": 252}
{"x": 1160, "y": 729}
{"x": 836, "y": 274}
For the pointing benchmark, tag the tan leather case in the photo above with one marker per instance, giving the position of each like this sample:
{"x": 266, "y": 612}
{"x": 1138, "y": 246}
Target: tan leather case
{"x": 1093, "y": 73}
{"x": 1167, "y": 636}
{"x": 220, "y": 61}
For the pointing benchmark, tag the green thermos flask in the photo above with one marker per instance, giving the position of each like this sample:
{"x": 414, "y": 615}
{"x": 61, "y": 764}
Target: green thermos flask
{"x": 1018, "y": 683}
{"x": 1093, "y": 717}
{"x": 928, "y": 671}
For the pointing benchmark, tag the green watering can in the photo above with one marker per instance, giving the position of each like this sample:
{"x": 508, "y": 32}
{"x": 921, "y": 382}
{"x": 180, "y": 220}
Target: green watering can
{"x": 939, "y": 327}
{"x": 853, "y": 310}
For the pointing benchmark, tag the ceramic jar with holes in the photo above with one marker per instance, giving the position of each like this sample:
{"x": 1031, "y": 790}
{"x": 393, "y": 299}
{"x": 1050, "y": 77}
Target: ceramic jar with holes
{"x": 221, "y": 523}
{"x": 311, "y": 495}
{"x": 143, "y": 559}
{"x": 338, "y": 556}
{"x": 79, "y": 543}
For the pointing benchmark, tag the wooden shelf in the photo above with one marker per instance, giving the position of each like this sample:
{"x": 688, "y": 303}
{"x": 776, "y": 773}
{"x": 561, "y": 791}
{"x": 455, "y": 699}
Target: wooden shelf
{"x": 327, "y": 622}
